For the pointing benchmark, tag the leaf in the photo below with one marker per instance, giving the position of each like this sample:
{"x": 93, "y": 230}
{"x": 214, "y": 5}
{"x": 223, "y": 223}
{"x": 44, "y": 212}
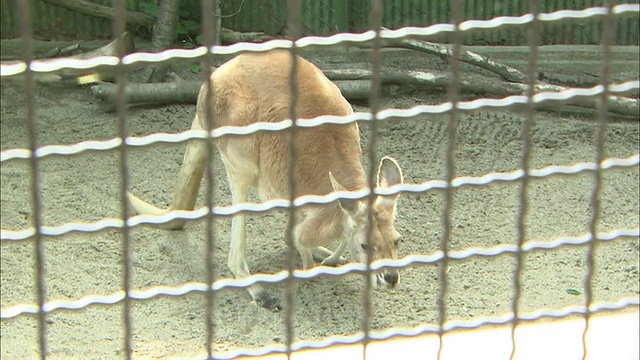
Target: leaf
{"x": 195, "y": 68}
{"x": 190, "y": 25}
{"x": 180, "y": 30}
{"x": 149, "y": 7}
{"x": 199, "y": 39}
{"x": 572, "y": 291}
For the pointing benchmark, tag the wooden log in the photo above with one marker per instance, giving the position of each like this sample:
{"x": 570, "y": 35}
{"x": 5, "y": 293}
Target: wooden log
{"x": 354, "y": 85}
{"x": 184, "y": 92}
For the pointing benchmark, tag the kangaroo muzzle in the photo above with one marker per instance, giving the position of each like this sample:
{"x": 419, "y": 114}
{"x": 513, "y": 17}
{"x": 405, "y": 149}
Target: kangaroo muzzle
{"x": 388, "y": 278}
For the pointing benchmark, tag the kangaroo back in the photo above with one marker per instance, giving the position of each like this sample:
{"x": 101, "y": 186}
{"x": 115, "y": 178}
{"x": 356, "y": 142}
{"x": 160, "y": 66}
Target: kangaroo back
{"x": 256, "y": 88}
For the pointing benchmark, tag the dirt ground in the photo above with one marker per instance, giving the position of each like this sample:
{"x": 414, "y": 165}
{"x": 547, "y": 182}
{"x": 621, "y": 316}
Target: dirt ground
{"x": 86, "y": 187}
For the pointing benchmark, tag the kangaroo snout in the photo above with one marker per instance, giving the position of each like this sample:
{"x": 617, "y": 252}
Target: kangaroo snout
{"x": 388, "y": 278}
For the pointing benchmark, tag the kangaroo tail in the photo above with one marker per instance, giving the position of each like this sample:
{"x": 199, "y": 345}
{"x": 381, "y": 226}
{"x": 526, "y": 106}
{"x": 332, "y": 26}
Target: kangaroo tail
{"x": 188, "y": 185}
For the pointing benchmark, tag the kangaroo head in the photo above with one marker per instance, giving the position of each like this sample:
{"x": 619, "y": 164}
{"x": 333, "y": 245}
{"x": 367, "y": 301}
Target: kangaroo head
{"x": 384, "y": 237}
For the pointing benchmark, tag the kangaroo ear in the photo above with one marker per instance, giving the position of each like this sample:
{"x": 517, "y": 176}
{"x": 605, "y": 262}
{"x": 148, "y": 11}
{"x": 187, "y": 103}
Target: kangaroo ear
{"x": 389, "y": 174}
{"x": 349, "y": 206}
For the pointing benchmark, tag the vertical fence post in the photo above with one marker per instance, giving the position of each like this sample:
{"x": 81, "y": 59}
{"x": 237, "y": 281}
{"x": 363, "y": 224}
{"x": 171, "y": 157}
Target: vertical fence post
{"x": 342, "y": 14}
{"x": 533, "y": 32}
{"x": 211, "y": 22}
{"x": 25, "y": 9}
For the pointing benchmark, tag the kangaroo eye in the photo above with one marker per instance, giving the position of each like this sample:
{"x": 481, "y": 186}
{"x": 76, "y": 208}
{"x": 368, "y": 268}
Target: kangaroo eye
{"x": 397, "y": 241}
{"x": 365, "y": 247}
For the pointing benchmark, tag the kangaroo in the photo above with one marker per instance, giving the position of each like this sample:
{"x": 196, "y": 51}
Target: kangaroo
{"x": 253, "y": 88}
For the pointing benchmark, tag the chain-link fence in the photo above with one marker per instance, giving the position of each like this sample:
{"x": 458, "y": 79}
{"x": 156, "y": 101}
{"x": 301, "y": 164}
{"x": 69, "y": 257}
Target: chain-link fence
{"x": 208, "y": 306}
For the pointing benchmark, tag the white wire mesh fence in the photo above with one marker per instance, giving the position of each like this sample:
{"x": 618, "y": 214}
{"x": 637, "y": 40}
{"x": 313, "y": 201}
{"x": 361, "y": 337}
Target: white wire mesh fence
{"x": 452, "y": 108}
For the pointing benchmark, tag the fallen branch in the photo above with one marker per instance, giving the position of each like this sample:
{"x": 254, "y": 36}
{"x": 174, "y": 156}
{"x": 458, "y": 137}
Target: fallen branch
{"x": 446, "y": 53}
{"x": 104, "y": 73}
{"x": 56, "y": 51}
{"x": 11, "y": 49}
{"x": 504, "y": 71}
{"x": 355, "y": 86}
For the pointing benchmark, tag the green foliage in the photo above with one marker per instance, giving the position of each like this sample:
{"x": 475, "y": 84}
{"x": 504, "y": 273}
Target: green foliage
{"x": 187, "y": 27}
{"x": 195, "y": 68}
{"x": 149, "y": 7}
{"x": 187, "y": 30}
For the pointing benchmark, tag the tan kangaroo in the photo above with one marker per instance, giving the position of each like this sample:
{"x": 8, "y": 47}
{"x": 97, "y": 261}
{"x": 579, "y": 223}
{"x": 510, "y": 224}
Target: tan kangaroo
{"x": 253, "y": 88}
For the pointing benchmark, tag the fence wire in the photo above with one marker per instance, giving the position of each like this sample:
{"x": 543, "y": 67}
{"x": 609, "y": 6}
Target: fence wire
{"x": 453, "y": 107}
{"x": 532, "y": 33}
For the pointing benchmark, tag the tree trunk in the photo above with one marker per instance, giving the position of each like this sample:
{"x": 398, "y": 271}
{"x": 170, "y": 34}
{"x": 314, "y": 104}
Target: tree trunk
{"x": 164, "y": 34}
{"x": 217, "y": 22}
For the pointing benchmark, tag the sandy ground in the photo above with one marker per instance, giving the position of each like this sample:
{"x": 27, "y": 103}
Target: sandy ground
{"x": 86, "y": 188}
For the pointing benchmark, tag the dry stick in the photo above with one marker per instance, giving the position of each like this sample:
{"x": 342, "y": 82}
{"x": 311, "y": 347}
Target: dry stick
{"x": 354, "y": 85}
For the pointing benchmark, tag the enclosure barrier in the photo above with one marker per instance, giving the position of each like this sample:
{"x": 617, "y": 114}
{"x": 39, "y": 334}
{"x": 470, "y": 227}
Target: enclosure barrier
{"x": 513, "y": 333}
{"x": 328, "y": 17}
